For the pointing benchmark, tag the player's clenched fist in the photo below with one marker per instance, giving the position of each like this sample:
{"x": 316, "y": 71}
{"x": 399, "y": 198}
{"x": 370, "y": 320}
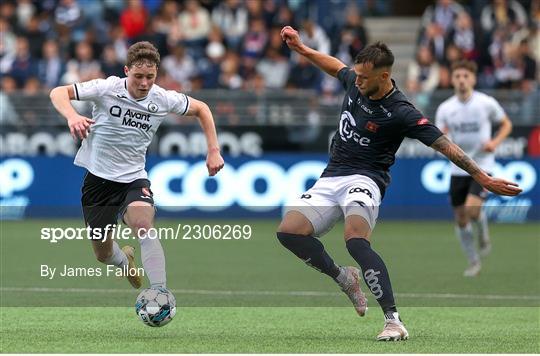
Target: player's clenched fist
{"x": 79, "y": 126}
{"x": 214, "y": 162}
{"x": 291, "y": 37}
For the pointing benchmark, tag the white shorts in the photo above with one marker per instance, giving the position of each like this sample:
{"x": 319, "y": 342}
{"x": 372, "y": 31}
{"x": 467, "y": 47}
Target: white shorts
{"x": 331, "y": 198}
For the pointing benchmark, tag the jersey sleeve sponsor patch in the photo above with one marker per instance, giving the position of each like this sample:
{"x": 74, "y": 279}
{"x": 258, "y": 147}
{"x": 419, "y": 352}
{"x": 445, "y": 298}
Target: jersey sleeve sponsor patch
{"x": 419, "y": 127}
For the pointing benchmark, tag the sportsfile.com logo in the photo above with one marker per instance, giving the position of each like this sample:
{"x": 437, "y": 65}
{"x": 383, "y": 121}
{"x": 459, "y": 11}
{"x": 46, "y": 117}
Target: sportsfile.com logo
{"x": 120, "y": 232}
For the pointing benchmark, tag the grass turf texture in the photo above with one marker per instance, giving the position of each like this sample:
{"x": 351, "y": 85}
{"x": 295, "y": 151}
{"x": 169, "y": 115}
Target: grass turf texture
{"x": 234, "y": 296}
{"x": 272, "y": 330}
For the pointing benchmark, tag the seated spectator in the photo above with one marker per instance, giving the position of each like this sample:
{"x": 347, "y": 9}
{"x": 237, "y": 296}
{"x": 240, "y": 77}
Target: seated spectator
{"x": 167, "y": 21}
{"x": 354, "y": 25}
{"x": 528, "y": 66}
{"x": 8, "y": 45}
{"x": 23, "y": 65}
{"x": 255, "y": 39}
{"x": 230, "y": 77}
{"x": 194, "y": 26}
{"x": 465, "y": 37}
{"x": 110, "y": 64}
{"x": 274, "y": 67}
{"x": 68, "y": 14}
{"x": 443, "y": 14}
{"x": 180, "y": 66}
{"x": 433, "y": 38}
{"x": 52, "y": 66}
{"x": 209, "y": 68}
{"x": 314, "y": 36}
{"x": 84, "y": 66}
{"x": 502, "y": 14}
{"x": 423, "y": 73}
{"x": 34, "y": 36}
{"x": 507, "y": 68}
{"x": 284, "y": 17}
{"x": 133, "y": 19}
{"x": 232, "y": 19}
{"x": 304, "y": 75}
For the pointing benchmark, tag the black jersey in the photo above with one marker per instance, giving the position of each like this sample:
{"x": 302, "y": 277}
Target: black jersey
{"x": 371, "y": 131}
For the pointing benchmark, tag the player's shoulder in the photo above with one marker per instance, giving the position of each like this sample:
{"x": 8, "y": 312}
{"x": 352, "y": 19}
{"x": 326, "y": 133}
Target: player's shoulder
{"x": 111, "y": 84}
{"x": 162, "y": 93}
{"x": 399, "y": 104}
{"x": 448, "y": 103}
{"x": 483, "y": 97}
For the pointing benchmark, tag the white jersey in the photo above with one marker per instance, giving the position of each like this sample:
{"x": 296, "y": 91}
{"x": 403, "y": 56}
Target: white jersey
{"x": 469, "y": 125}
{"x": 124, "y": 127}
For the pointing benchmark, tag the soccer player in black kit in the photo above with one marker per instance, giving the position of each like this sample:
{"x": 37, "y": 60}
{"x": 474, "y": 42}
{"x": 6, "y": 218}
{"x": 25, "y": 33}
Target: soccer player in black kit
{"x": 375, "y": 118}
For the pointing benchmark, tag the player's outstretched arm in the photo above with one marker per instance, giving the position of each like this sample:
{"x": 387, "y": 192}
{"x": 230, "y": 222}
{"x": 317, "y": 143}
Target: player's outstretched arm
{"x": 329, "y": 64}
{"x": 456, "y": 155}
{"x": 79, "y": 125}
{"x": 214, "y": 161}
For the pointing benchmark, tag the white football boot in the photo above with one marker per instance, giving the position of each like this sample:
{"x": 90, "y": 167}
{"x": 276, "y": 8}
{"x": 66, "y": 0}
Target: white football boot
{"x": 394, "y": 330}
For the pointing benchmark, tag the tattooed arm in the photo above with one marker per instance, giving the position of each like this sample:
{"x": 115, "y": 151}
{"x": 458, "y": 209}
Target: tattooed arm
{"x": 456, "y": 155}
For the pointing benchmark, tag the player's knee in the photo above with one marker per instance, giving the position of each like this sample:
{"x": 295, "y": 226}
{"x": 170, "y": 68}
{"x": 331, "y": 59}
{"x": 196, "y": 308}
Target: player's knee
{"x": 356, "y": 226}
{"x": 473, "y": 212}
{"x": 295, "y": 223}
{"x": 294, "y": 228}
{"x": 140, "y": 226}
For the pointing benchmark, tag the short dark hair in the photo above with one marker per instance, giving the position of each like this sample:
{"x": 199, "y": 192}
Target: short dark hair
{"x": 142, "y": 52}
{"x": 464, "y": 64}
{"x": 377, "y": 54}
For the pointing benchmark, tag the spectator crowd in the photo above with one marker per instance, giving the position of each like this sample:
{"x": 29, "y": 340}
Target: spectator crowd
{"x": 229, "y": 44}
{"x": 503, "y": 39}
{"x": 236, "y": 44}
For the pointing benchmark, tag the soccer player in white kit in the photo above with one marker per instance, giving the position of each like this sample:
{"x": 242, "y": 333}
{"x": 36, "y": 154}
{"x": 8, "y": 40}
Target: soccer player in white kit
{"x": 125, "y": 117}
{"x": 467, "y": 117}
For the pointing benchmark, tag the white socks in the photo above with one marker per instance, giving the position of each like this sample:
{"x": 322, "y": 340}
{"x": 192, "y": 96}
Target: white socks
{"x": 465, "y": 235}
{"x": 153, "y": 260}
{"x": 118, "y": 257}
{"x": 482, "y": 225}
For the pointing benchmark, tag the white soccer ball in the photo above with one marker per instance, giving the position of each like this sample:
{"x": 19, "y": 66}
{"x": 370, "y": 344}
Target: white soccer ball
{"x": 155, "y": 306}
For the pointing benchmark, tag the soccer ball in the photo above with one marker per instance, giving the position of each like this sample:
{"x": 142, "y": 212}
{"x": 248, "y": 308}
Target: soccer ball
{"x": 155, "y": 306}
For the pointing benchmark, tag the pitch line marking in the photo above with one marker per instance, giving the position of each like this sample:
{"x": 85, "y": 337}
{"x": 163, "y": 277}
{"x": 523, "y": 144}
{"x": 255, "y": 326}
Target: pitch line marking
{"x": 271, "y": 293}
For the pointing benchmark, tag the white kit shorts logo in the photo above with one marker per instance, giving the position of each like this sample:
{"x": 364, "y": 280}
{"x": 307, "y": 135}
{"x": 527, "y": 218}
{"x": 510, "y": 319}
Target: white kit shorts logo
{"x": 373, "y": 282}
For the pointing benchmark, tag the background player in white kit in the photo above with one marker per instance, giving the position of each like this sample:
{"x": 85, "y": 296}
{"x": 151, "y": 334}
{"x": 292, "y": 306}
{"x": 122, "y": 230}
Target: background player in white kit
{"x": 467, "y": 117}
{"x": 126, "y": 114}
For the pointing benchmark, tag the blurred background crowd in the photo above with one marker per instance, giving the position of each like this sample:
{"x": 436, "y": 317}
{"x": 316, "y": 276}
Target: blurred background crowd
{"x": 236, "y": 44}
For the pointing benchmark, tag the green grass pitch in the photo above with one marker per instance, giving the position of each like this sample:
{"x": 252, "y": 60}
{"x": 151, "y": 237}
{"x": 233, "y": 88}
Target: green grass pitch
{"x": 252, "y": 296}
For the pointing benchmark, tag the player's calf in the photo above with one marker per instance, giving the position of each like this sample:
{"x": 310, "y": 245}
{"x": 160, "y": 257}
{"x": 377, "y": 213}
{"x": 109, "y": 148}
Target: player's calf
{"x": 311, "y": 251}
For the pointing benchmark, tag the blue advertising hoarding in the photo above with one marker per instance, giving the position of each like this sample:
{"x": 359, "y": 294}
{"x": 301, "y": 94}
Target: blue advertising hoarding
{"x": 248, "y": 187}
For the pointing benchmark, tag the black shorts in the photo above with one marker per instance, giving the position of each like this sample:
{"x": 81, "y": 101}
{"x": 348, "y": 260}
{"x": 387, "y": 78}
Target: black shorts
{"x": 461, "y": 186}
{"x": 103, "y": 201}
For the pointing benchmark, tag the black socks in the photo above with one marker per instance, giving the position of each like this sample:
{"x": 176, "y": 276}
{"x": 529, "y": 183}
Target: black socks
{"x": 374, "y": 272}
{"x": 311, "y": 251}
